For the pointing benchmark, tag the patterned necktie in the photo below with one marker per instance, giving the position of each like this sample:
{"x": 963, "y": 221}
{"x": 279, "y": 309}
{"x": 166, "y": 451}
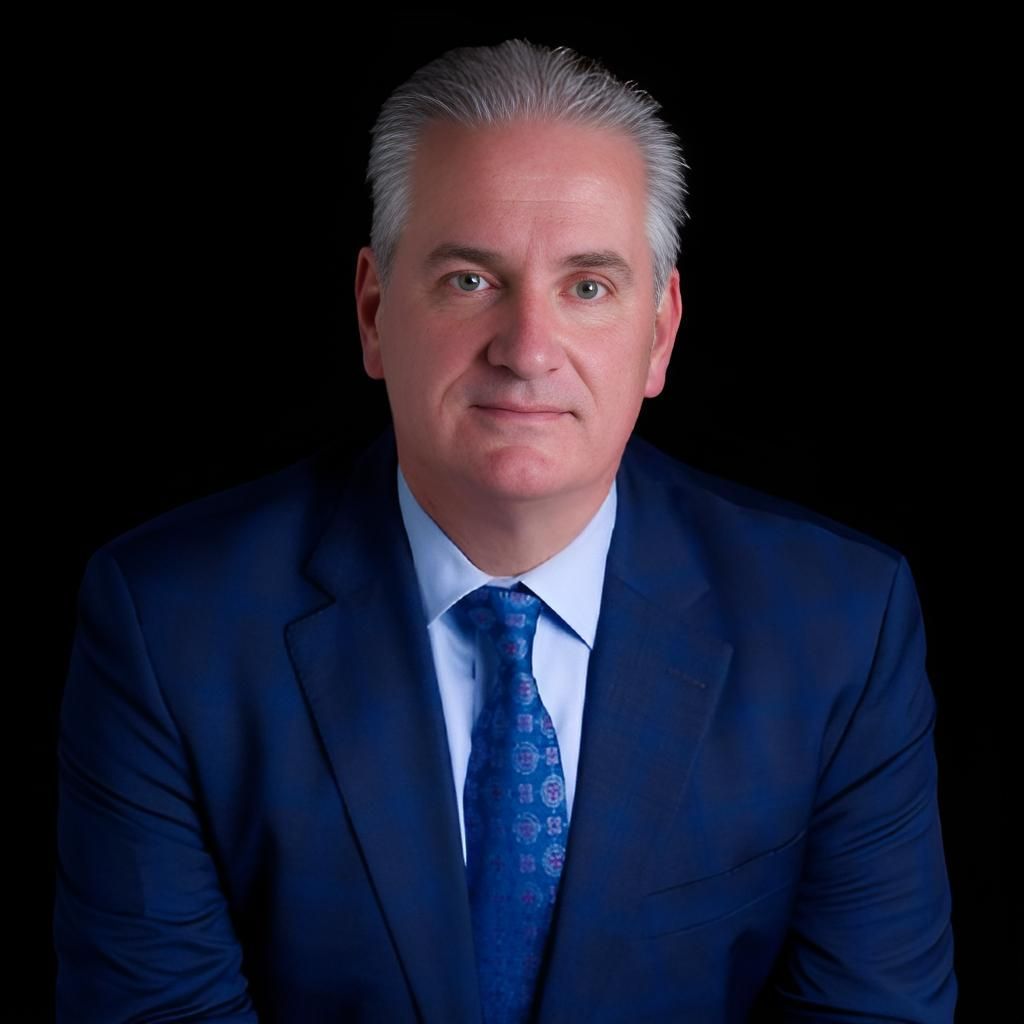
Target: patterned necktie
{"x": 515, "y": 810}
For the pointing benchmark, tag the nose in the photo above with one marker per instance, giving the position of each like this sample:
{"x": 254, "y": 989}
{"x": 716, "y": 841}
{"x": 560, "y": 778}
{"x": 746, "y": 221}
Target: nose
{"x": 527, "y": 335}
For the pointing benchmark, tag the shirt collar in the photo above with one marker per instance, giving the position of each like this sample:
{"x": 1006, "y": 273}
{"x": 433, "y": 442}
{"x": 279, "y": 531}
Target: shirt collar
{"x": 569, "y": 583}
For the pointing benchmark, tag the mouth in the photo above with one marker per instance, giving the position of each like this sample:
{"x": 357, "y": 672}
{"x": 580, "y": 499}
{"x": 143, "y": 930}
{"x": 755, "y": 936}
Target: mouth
{"x": 525, "y": 414}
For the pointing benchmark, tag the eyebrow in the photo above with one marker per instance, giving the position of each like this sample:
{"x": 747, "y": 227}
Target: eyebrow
{"x": 598, "y": 259}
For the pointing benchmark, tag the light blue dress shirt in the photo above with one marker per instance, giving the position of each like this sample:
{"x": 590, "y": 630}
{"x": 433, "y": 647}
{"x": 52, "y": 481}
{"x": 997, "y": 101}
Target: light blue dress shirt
{"x": 570, "y": 585}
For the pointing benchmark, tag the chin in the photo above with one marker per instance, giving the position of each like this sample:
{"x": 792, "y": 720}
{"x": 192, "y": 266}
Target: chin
{"x": 522, "y": 473}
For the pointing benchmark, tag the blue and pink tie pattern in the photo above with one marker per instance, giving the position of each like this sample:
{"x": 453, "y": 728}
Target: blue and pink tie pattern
{"x": 515, "y": 810}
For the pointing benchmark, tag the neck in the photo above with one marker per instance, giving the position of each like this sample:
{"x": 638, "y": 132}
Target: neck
{"x": 505, "y": 537}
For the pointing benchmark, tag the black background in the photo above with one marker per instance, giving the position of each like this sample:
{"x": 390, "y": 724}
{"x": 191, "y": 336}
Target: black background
{"x": 196, "y": 204}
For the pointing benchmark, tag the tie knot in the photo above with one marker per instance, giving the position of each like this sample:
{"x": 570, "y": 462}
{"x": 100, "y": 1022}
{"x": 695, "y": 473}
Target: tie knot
{"x": 509, "y": 617}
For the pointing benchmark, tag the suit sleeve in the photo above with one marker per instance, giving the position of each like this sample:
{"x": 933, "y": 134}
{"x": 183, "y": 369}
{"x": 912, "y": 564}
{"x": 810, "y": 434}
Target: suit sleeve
{"x": 141, "y": 924}
{"x": 870, "y": 936}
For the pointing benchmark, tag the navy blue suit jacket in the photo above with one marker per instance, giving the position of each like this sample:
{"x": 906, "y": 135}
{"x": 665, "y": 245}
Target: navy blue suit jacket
{"x": 257, "y": 817}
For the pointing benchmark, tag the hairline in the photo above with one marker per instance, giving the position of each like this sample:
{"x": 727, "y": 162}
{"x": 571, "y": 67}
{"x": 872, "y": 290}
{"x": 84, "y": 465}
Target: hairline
{"x": 384, "y": 269}
{"x": 517, "y": 81}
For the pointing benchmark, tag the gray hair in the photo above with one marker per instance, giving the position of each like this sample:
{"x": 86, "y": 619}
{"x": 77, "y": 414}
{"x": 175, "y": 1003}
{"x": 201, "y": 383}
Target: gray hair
{"x": 484, "y": 85}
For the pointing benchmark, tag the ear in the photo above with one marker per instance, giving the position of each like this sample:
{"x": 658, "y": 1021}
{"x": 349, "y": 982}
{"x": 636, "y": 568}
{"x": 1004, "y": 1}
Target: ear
{"x": 666, "y": 325}
{"x": 368, "y": 296}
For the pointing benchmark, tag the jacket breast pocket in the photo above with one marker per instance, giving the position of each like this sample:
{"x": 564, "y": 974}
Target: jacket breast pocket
{"x": 704, "y": 900}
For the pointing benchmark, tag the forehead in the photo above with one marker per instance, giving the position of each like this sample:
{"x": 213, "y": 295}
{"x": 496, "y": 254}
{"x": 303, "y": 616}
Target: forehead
{"x": 529, "y": 180}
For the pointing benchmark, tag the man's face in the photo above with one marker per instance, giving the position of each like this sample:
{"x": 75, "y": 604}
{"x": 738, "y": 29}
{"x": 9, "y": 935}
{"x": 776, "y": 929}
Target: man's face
{"x": 518, "y": 335}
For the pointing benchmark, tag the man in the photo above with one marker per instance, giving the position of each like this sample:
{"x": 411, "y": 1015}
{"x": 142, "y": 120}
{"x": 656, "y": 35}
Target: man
{"x": 512, "y": 718}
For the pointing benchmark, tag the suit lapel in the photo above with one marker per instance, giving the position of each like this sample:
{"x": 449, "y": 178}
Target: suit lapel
{"x": 365, "y": 664}
{"x": 654, "y": 679}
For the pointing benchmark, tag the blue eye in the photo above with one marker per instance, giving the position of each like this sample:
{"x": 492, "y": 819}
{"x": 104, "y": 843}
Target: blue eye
{"x": 469, "y": 282}
{"x": 591, "y": 289}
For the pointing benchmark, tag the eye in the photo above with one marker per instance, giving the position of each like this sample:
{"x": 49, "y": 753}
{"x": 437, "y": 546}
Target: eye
{"x": 468, "y": 281}
{"x": 589, "y": 289}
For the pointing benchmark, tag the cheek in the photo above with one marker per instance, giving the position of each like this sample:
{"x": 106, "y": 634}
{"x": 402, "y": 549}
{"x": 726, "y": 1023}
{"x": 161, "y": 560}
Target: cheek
{"x": 617, "y": 383}
{"x": 422, "y": 365}
{"x": 440, "y": 352}
{"x": 404, "y": 349}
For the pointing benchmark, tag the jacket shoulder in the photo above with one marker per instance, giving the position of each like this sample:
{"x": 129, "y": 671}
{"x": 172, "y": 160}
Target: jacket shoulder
{"x": 739, "y": 533}
{"x": 747, "y": 501}
{"x": 271, "y": 519}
